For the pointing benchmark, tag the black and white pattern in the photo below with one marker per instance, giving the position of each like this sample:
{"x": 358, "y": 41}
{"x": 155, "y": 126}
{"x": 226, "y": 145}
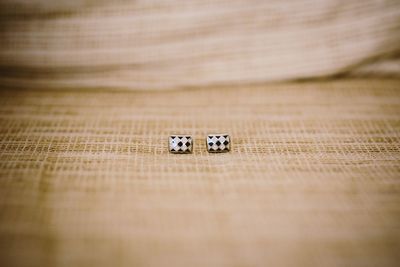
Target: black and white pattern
{"x": 218, "y": 143}
{"x": 180, "y": 144}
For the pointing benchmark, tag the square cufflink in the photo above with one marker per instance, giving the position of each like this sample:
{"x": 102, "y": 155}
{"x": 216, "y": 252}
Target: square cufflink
{"x": 180, "y": 144}
{"x": 217, "y": 143}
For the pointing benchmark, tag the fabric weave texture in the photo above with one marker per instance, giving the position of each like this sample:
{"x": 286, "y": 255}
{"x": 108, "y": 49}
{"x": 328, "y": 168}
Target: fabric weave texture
{"x": 312, "y": 179}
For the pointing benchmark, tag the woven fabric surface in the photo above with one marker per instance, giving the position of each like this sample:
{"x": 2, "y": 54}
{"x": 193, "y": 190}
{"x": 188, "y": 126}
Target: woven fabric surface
{"x": 313, "y": 177}
{"x": 178, "y": 43}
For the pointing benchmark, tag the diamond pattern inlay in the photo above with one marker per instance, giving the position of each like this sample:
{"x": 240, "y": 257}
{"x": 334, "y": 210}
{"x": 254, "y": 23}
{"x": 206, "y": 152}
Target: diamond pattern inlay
{"x": 218, "y": 143}
{"x": 180, "y": 144}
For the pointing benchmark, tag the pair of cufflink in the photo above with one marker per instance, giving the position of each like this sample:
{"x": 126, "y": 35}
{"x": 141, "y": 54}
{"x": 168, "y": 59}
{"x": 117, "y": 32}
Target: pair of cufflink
{"x": 216, "y": 143}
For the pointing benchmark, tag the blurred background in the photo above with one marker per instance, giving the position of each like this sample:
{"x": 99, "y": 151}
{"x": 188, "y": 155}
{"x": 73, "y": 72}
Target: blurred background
{"x": 308, "y": 90}
{"x": 153, "y": 44}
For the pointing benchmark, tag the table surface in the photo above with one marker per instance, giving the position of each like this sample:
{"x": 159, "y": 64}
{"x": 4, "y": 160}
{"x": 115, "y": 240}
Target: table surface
{"x": 313, "y": 177}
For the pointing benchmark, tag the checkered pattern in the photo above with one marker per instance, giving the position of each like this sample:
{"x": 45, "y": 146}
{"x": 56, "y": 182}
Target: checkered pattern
{"x": 180, "y": 144}
{"x": 218, "y": 143}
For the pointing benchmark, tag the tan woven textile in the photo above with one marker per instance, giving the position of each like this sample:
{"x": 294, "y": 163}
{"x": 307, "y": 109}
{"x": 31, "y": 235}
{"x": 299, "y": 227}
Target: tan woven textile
{"x": 312, "y": 179}
{"x": 168, "y": 44}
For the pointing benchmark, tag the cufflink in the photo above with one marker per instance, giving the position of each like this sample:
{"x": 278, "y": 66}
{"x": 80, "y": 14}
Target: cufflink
{"x": 217, "y": 143}
{"x": 180, "y": 144}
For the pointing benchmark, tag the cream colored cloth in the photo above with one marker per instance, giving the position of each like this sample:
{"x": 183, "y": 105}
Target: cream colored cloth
{"x": 168, "y": 44}
{"x": 86, "y": 178}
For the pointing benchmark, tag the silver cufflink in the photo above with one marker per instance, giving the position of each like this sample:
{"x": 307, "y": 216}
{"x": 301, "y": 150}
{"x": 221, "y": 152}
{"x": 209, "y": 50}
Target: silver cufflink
{"x": 217, "y": 143}
{"x": 180, "y": 144}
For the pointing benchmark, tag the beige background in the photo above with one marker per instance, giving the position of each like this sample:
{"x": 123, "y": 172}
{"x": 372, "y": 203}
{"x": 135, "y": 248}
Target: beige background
{"x": 169, "y": 44}
{"x": 308, "y": 91}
